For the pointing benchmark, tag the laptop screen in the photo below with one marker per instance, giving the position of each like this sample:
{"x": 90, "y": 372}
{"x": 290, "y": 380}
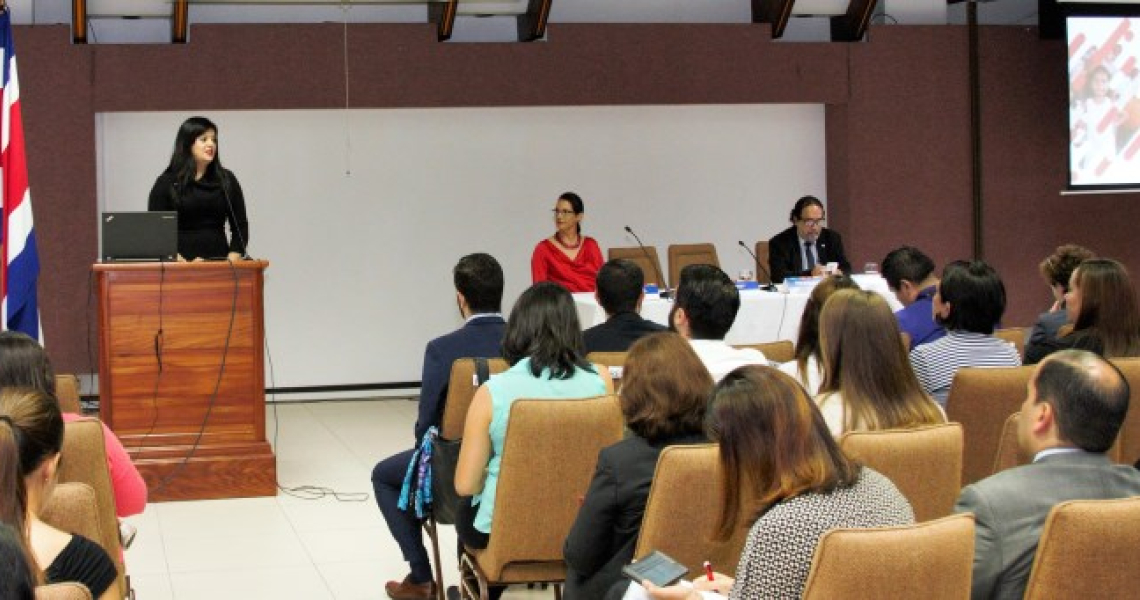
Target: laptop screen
{"x": 139, "y": 236}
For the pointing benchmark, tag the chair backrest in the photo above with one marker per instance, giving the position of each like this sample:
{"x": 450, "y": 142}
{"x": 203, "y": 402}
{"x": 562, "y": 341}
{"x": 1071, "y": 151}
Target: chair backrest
{"x": 1129, "y": 440}
{"x": 460, "y": 390}
{"x": 780, "y": 351}
{"x": 650, "y": 265}
{"x": 925, "y": 463}
{"x": 607, "y": 359}
{"x": 83, "y": 459}
{"x": 67, "y": 392}
{"x": 1088, "y": 550}
{"x": 931, "y": 560}
{"x": 63, "y": 591}
{"x": 764, "y": 273}
{"x": 981, "y": 399}
{"x": 683, "y": 255}
{"x": 1008, "y": 454}
{"x": 682, "y": 510}
{"x": 73, "y": 508}
{"x": 549, "y": 455}
{"x": 1015, "y": 336}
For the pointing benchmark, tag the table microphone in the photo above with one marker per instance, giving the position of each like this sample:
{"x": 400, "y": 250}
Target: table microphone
{"x": 770, "y": 287}
{"x": 664, "y": 290}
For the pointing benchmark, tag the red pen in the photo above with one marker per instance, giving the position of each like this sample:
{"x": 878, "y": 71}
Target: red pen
{"x": 708, "y": 570}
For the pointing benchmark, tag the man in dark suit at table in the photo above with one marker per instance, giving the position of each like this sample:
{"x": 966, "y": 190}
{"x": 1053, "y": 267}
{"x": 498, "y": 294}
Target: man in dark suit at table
{"x": 806, "y": 247}
{"x": 1074, "y": 408}
{"x": 620, "y": 290}
{"x": 479, "y": 293}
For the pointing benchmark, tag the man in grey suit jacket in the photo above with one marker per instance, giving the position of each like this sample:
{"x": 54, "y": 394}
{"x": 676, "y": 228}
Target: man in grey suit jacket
{"x": 1074, "y": 408}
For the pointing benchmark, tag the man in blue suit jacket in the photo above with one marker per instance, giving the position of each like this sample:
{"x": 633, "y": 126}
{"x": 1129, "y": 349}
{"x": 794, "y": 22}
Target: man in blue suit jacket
{"x": 479, "y": 292}
{"x": 1074, "y": 408}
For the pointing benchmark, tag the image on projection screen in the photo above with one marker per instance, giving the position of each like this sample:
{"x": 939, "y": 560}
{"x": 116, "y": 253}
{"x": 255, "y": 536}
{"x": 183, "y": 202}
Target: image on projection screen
{"x": 1104, "y": 102}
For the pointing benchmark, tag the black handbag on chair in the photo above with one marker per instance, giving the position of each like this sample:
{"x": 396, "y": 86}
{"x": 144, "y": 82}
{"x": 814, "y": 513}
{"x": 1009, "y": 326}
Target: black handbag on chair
{"x": 444, "y": 458}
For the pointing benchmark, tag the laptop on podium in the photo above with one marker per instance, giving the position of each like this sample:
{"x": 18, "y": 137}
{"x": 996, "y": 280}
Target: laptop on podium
{"x": 139, "y": 236}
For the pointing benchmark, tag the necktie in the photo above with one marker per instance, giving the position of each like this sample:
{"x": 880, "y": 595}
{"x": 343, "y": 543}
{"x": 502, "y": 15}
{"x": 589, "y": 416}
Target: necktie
{"x": 810, "y": 256}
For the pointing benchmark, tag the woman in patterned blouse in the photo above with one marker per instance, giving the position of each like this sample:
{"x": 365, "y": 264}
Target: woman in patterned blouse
{"x": 785, "y": 477}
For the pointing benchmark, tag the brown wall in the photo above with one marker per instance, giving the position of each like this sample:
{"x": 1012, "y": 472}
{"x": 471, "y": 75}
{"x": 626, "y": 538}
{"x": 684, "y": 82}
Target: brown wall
{"x": 897, "y": 122}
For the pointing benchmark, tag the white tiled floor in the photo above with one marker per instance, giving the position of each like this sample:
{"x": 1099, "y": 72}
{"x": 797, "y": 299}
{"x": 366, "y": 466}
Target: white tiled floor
{"x": 288, "y": 547}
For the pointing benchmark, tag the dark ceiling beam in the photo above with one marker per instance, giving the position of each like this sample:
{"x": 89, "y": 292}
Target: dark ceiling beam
{"x": 532, "y": 23}
{"x": 78, "y": 22}
{"x": 775, "y": 12}
{"x": 851, "y": 26}
{"x": 179, "y": 21}
{"x": 443, "y": 15}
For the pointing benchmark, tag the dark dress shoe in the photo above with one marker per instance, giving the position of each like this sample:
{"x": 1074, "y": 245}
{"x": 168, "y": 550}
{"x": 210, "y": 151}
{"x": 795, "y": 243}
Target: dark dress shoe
{"x": 406, "y": 590}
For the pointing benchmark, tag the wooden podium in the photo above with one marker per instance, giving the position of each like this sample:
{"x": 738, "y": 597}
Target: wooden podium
{"x": 182, "y": 375}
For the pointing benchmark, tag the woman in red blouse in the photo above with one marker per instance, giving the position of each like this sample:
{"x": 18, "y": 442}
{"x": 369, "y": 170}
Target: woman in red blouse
{"x": 567, "y": 257}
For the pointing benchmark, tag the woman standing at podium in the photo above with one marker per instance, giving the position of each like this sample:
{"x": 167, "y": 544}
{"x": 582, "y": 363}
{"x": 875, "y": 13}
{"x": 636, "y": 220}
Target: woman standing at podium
{"x": 567, "y": 257}
{"x": 204, "y": 194}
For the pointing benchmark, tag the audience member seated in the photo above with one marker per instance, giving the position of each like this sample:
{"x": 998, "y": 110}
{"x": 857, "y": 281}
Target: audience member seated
{"x": 704, "y": 309}
{"x": 543, "y": 345}
{"x": 17, "y": 579}
{"x": 478, "y": 280}
{"x": 795, "y": 484}
{"x": 1057, "y": 269}
{"x": 31, "y": 435}
{"x": 969, "y": 303}
{"x": 807, "y": 367}
{"x": 567, "y": 257}
{"x": 23, "y": 363}
{"x": 620, "y": 292}
{"x": 1074, "y": 408}
{"x": 663, "y": 397}
{"x": 1101, "y": 305}
{"x": 805, "y": 248}
{"x": 910, "y": 275}
{"x": 867, "y": 380}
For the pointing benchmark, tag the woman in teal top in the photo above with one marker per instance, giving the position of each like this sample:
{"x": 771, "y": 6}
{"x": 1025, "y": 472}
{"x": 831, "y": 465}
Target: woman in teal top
{"x": 543, "y": 344}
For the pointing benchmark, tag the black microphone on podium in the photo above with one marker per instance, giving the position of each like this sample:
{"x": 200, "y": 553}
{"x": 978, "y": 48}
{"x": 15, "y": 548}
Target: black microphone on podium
{"x": 664, "y": 290}
{"x": 771, "y": 287}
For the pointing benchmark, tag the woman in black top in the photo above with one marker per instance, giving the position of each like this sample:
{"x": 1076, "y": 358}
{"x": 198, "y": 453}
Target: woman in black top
{"x": 205, "y": 195}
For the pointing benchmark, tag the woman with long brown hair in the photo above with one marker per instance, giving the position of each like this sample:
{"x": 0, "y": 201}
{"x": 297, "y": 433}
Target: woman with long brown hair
{"x": 31, "y": 435}
{"x": 868, "y": 383}
{"x": 1102, "y": 306}
{"x": 807, "y": 366}
{"x": 785, "y": 478}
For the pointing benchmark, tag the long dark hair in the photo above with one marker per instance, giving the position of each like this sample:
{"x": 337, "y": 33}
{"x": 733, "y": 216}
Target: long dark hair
{"x": 23, "y": 363}
{"x": 544, "y": 327}
{"x": 182, "y": 164}
{"x": 576, "y": 204}
{"x": 774, "y": 445}
{"x": 31, "y": 432}
{"x": 1108, "y": 307}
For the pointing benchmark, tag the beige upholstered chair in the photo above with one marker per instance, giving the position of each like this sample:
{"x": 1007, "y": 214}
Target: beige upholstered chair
{"x": 1008, "y": 454}
{"x": 73, "y": 508}
{"x": 780, "y": 351}
{"x": 650, "y": 265}
{"x": 63, "y": 591}
{"x": 608, "y": 359}
{"x": 1015, "y": 336}
{"x": 932, "y": 560}
{"x": 981, "y": 399}
{"x": 764, "y": 270}
{"x": 460, "y": 391}
{"x": 549, "y": 455}
{"x": 1129, "y": 441}
{"x": 925, "y": 463}
{"x": 682, "y": 510}
{"x": 67, "y": 392}
{"x": 683, "y": 255}
{"x": 1088, "y": 550}
{"x": 83, "y": 459}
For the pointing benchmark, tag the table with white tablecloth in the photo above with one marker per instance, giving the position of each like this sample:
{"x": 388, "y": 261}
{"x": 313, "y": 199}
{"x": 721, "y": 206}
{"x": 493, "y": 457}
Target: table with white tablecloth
{"x": 763, "y": 317}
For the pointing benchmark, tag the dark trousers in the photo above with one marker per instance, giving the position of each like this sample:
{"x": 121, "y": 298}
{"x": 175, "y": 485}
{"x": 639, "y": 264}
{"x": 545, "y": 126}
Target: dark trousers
{"x": 387, "y": 479}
